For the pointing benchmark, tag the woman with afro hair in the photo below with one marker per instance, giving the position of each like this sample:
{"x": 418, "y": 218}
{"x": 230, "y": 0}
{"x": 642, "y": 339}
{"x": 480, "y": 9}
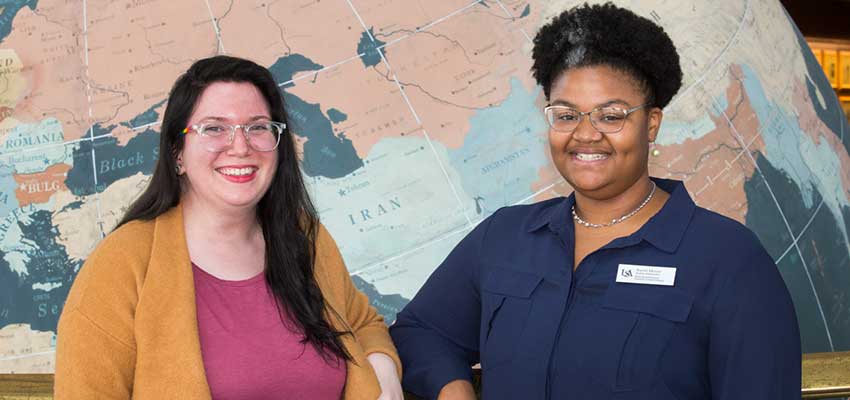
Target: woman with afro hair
{"x": 625, "y": 289}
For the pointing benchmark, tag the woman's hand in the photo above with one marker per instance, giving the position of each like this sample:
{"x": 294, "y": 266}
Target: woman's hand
{"x": 457, "y": 390}
{"x": 384, "y": 367}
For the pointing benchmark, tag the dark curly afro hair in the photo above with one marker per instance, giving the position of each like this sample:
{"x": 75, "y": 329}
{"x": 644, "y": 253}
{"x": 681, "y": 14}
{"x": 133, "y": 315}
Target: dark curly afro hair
{"x": 608, "y": 35}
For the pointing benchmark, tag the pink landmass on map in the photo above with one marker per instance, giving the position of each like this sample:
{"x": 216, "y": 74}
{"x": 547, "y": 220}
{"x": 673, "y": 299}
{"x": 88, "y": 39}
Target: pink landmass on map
{"x": 52, "y": 53}
{"x": 716, "y": 166}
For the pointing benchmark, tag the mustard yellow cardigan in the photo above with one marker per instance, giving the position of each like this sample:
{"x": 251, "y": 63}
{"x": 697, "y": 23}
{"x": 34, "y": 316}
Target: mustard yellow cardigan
{"x": 129, "y": 327}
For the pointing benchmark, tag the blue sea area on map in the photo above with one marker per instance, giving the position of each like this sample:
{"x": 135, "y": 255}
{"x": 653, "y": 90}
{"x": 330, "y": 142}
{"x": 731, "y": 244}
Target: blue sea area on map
{"x": 148, "y": 116}
{"x": 285, "y": 68}
{"x": 8, "y": 200}
{"x": 112, "y": 161}
{"x": 388, "y": 305}
{"x": 36, "y": 297}
{"x": 781, "y": 134}
{"x": 8, "y": 10}
{"x": 812, "y": 274}
{"x": 368, "y": 46}
{"x": 336, "y": 116}
{"x": 325, "y": 153}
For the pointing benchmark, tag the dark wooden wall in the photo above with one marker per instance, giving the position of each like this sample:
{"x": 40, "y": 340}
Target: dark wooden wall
{"x": 821, "y": 18}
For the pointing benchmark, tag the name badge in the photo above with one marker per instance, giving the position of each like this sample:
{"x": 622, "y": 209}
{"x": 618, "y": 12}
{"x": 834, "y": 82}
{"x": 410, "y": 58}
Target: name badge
{"x": 646, "y": 275}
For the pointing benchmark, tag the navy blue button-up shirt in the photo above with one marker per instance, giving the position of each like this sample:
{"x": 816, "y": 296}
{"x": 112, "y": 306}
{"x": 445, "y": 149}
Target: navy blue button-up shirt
{"x": 507, "y": 297}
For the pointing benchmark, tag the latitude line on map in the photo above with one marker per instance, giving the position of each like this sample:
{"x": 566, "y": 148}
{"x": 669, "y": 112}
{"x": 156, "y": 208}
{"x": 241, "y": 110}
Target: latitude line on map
{"x": 52, "y": 145}
{"x": 427, "y": 137}
{"x": 431, "y": 24}
{"x": 401, "y": 89}
{"x": 805, "y": 228}
{"x": 145, "y": 126}
{"x": 308, "y": 74}
{"x": 424, "y": 28}
{"x": 359, "y": 18}
{"x": 709, "y": 179}
{"x": 445, "y": 235}
{"x": 91, "y": 138}
{"x": 524, "y": 33}
{"x": 96, "y": 192}
{"x": 297, "y": 78}
{"x": 422, "y": 246}
{"x": 214, "y": 20}
{"x": 505, "y": 9}
{"x": 22, "y": 356}
{"x": 99, "y": 221}
{"x": 814, "y": 214}
{"x": 415, "y": 114}
{"x": 728, "y": 166}
{"x": 537, "y": 193}
{"x": 301, "y": 76}
{"x": 739, "y": 138}
{"x": 513, "y": 19}
{"x": 445, "y": 173}
{"x": 86, "y": 65}
{"x": 716, "y": 60}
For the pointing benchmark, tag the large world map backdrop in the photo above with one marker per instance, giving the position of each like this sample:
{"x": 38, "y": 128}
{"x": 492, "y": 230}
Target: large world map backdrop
{"x": 416, "y": 119}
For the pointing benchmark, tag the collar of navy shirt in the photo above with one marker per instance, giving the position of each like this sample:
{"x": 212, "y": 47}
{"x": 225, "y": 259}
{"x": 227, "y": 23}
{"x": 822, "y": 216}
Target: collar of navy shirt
{"x": 664, "y": 230}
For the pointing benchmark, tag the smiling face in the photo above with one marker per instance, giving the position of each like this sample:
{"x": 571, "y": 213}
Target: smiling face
{"x": 597, "y": 165}
{"x": 238, "y": 177}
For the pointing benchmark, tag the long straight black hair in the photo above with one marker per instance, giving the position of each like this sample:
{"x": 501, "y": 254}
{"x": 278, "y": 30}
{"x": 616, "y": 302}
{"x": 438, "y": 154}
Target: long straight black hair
{"x": 286, "y": 214}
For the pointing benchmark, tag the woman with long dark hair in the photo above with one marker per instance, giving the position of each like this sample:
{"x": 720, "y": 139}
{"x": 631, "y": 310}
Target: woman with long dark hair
{"x": 220, "y": 282}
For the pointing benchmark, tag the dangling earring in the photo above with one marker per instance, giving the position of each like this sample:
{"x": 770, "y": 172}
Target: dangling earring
{"x": 654, "y": 150}
{"x": 178, "y": 169}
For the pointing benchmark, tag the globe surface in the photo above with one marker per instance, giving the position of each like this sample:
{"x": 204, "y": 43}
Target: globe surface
{"x": 416, "y": 119}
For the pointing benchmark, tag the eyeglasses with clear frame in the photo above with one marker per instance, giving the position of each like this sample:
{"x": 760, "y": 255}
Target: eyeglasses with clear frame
{"x": 216, "y": 137}
{"x": 603, "y": 119}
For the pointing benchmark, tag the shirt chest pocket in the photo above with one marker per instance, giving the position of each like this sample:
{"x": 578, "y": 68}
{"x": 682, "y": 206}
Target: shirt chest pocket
{"x": 659, "y": 310}
{"x": 506, "y": 297}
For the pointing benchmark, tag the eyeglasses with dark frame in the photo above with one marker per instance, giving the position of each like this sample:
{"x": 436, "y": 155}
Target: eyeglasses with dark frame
{"x": 603, "y": 119}
{"x": 216, "y": 137}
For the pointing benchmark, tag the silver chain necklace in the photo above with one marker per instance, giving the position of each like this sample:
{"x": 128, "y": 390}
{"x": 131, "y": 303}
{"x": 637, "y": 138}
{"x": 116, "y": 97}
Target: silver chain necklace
{"x": 615, "y": 220}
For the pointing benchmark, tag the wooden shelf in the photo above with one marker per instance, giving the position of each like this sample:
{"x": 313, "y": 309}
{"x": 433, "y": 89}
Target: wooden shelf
{"x": 825, "y": 375}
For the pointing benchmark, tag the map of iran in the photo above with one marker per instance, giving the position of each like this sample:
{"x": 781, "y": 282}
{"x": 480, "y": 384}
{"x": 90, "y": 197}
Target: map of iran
{"x": 415, "y": 207}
